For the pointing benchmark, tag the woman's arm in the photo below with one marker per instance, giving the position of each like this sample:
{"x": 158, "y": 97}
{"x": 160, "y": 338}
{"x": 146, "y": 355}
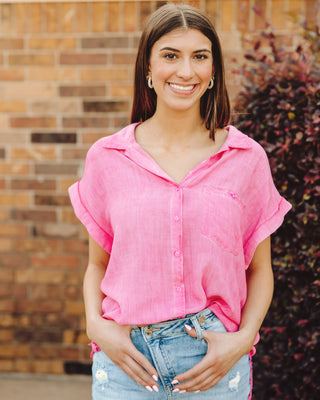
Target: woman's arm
{"x": 113, "y": 339}
{"x": 225, "y": 349}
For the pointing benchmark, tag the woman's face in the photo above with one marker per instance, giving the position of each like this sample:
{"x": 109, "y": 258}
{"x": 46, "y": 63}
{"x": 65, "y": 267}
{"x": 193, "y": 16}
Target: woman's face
{"x": 181, "y": 66}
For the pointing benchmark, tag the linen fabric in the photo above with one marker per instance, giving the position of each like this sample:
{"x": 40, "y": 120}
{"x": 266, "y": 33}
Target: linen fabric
{"x": 176, "y": 248}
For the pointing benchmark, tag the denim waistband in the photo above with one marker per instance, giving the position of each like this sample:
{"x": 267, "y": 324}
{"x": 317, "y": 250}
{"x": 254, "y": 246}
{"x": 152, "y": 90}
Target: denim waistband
{"x": 196, "y": 319}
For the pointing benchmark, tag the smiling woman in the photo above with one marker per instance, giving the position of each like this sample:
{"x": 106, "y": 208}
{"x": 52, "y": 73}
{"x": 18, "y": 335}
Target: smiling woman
{"x": 179, "y": 207}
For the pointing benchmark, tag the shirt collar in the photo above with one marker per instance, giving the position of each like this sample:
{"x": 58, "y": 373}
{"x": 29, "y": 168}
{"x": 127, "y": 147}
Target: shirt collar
{"x": 124, "y": 139}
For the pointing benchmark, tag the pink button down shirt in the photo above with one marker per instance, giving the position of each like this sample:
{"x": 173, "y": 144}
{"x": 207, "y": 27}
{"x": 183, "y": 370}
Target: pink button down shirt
{"x": 176, "y": 248}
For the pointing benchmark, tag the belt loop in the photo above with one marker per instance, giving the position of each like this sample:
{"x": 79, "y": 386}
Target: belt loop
{"x": 197, "y": 327}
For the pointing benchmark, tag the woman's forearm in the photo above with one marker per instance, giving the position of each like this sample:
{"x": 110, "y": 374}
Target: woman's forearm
{"x": 98, "y": 262}
{"x": 259, "y": 293}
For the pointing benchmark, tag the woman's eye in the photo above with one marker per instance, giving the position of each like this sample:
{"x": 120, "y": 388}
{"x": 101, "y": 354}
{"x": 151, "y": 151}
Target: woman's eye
{"x": 170, "y": 56}
{"x": 201, "y": 56}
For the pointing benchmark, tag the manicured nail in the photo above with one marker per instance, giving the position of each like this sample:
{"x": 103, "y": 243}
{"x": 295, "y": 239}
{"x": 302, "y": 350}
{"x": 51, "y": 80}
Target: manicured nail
{"x": 188, "y": 327}
{"x": 149, "y": 388}
{"x": 155, "y": 377}
{"x": 174, "y": 382}
{"x": 197, "y": 391}
{"x": 182, "y": 391}
{"x": 176, "y": 390}
{"x": 155, "y": 388}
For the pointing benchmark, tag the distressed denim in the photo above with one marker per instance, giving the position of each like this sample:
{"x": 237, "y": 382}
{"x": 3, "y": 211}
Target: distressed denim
{"x": 171, "y": 351}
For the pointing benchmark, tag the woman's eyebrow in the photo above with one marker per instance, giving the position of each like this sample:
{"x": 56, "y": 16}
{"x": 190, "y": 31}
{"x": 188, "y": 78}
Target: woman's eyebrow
{"x": 179, "y": 51}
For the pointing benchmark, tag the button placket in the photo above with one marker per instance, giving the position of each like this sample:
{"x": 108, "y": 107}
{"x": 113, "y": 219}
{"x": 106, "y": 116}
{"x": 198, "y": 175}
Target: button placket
{"x": 177, "y": 251}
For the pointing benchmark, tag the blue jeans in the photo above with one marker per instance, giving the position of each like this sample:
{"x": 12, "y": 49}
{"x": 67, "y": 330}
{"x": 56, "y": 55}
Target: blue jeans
{"x": 171, "y": 351}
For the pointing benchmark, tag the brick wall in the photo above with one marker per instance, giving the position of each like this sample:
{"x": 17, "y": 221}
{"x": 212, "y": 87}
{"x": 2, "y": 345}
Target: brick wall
{"x": 66, "y": 73}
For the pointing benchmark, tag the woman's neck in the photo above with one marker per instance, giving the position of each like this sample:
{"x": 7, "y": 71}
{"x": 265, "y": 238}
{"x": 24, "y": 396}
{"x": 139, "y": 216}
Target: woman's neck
{"x": 176, "y": 129}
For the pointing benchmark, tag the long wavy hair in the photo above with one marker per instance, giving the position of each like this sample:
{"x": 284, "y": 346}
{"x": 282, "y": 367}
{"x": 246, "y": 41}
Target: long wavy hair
{"x": 214, "y": 104}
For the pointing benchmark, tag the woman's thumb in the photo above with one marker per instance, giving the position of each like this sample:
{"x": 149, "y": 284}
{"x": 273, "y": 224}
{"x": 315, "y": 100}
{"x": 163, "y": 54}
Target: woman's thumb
{"x": 191, "y": 331}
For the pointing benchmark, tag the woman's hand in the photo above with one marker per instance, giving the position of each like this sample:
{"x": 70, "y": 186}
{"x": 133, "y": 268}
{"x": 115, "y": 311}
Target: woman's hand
{"x": 224, "y": 350}
{"x": 114, "y": 340}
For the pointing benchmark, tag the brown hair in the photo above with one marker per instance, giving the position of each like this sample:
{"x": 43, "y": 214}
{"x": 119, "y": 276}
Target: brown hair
{"x": 214, "y": 104}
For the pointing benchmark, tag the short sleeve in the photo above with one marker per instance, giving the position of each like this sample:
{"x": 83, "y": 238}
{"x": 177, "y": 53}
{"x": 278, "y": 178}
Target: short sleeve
{"x": 89, "y": 200}
{"x": 265, "y": 208}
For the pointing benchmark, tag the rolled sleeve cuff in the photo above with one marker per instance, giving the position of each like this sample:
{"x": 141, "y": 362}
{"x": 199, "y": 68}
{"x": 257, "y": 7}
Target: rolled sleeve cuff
{"x": 266, "y": 229}
{"x": 103, "y": 238}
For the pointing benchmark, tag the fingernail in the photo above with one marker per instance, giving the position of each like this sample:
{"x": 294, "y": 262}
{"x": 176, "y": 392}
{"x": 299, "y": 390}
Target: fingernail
{"x": 197, "y": 391}
{"x": 176, "y": 390}
{"x": 188, "y": 327}
{"x": 182, "y": 391}
{"x": 155, "y": 377}
{"x": 149, "y": 388}
{"x": 155, "y": 388}
{"x": 174, "y": 382}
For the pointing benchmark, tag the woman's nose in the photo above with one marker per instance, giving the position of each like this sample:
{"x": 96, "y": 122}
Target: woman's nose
{"x": 185, "y": 69}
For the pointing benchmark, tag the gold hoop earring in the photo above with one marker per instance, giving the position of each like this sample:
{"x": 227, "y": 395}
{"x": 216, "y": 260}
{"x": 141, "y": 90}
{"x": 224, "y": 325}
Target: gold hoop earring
{"x": 150, "y": 84}
{"x": 211, "y": 84}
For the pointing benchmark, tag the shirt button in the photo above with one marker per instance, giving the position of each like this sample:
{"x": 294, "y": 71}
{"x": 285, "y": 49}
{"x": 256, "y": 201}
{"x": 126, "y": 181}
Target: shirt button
{"x": 177, "y": 253}
{"x": 176, "y": 218}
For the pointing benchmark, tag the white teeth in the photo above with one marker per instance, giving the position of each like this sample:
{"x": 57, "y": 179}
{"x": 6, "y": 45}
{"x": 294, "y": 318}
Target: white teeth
{"x": 185, "y": 88}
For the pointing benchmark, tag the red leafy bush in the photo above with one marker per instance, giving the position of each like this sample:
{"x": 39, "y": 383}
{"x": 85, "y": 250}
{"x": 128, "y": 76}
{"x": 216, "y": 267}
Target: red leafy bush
{"x": 279, "y": 107}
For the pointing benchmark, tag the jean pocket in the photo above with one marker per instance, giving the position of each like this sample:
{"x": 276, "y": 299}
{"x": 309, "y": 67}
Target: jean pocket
{"x": 212, "y": 323}
{"x": 221, "y": 220}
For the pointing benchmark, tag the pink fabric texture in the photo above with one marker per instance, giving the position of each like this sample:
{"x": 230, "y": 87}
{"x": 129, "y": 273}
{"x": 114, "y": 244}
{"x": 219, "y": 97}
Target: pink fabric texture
{"x": 176, "y": 248}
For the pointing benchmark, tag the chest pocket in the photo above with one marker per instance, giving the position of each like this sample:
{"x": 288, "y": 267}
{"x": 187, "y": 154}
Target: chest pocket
{"x": 222, "y": 218}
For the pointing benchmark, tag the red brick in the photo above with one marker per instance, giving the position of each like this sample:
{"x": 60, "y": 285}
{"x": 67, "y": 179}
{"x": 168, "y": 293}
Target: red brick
{"x": 54, "y": 352}
{"x": 13, "y": 230}
{"x": 6, "y": 17}
{"x": 56, "y": 169}
{"x": 82, "y": 91}
{"x": 67, "y": 17}
{"x": 52, "y": 17}
{"x": 13, "y": 260}
{"x": 74, "y": 154}
{"x": 98, "y": 17}
{"x": 11, "y": 44}
{"x": 39, "y": 367}
{"x": 42, "y": 276}
{"x": 11, "y": 75}
{"x": 7, "y": 306}
{"x": 14, "y": 350}
{"x": 76, "y": 246}
{"x": 21, "y": 12}
{"x": 113, "y": 16}
{"x": 52, "y": 75}
{"x": 83, "y": 59}
{"x": 129, "y": 16}
{"x": 17, "y": 199}
{"x": 6, "y": 366}
{"x": 54, "y": 261}
{"x": 6, "y": 244}
{"x": 64, "y": 43}
{"x": 14, "y": 168}
{"x": 33, "y": 122}
{"x": 86, "y": 122}
{"x": 82, "y": 17}
{"x": 33, "y": 184}
{"x": 33, "y": 215}
{"x": 31, "y": 59}
{"x": 44, "y": 306}
{"x": 6, "y": 335}
{"x": 13, "y": 106}
{"x": 35, "y": 15}
{"x": 32, "y": 245}
{"x": 33, "y": 153}
{"x": 45, "y": 291}
{"x": 51, "y": 200}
